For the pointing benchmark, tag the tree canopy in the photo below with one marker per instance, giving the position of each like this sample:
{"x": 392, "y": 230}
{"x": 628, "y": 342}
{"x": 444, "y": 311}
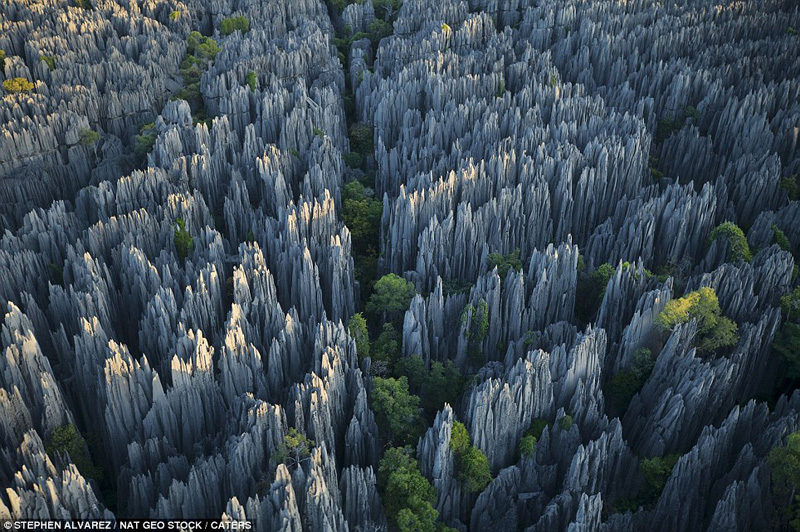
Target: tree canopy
{"x": 357, "y": 326}
{"x": 714, "y": 330}
{"x": 472, "y": 466}
{"x": 396, "y": 410}
{"x": 739, "y": 249}
{"x": 17, "y": 85}
{"x": 408, "y": 497}
{"x": 391, "y": 298}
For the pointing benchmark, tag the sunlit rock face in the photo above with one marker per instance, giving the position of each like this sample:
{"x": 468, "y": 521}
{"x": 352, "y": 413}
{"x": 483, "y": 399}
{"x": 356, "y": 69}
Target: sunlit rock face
{"x": 551, "y": 175}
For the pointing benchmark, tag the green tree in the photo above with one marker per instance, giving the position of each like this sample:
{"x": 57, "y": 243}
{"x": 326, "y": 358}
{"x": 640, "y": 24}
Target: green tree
{"x": 391, "y": 298}
{"x": 476, "y": 320}
{"x": 790, "y": 304}
{"x": 353, "y": 159}
{"x": 739, "y": 249}
{"x": 362, "y": 215}
{"x": 251, "y": 80}
{"x": 231, "y": 24}
{"x": 784, "y": 465}
{"x": 472, "y": 467}
{"x": 89, "y": 137}
{"x": 629, "y": 381}
{"x": 361, "y": 138}
{"x": 404, "y": 488}
{"x": 656, "y": 471}
{"x": 396, "y": 410}
{"x": 565, "y": 422}
{"x": 17, "y": 85}
{"x": 50, "y": 60}
{"x": 714, "y": 331}
{"x": 527, "y": 445}
{"x": 440, "y": 384}
{"x": 780, "y": 238}
{"x": 2, "y": 59}
{"x": 67, "y": 439}
{"x": 504, "y": 262}
{"x": 357, "y": 326}
{"x": 591, "y": 290}
{"x": 387, "y": 346}
{"x": 184, "y": 243}
{"x": 295, "y": 448}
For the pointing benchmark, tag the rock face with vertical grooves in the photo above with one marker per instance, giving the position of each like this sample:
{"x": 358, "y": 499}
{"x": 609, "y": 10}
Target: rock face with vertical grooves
{"x": 551, "y": 175}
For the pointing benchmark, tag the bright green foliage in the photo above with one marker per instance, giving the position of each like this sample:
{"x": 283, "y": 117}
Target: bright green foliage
{"x": 601, "y": 276}
{"x": 231, "y": 24}
{"x": 318, "y": 132}
{"x": 656, "y": 471}
{"x": 565, "y": 422}
{"x": 184, "y": 243}
{"x": 527, "y": 445}
{"x": 739, "y": 249}
{"x": 404, "y": 488}
{"x": 443, "y": 383}
{"x": 175, "y": 16}
{"x": 17, "y": 85}
{"x": 361, "y": 138}
{"x": 202, "y": 47}
{"x": 362, "y": 216}
{"x": 779, "y": 237}
{"x": 446, "y": 27}
{"x": 472, "y": 467}
{"x": 353, "y": 159}
{"x": 784, "y": 464}
{"x": 391, "y": 298}
{"x": 476, "y": 320}
{"x": 789, "y": 184}
{"x": 357, "y": 326}
{"x": 294, "y": 449}
{"x": 504, "y": 262}
{"x": 67, "y": 439}
{"x": 396, "y": 410}
{"x": 629, "y": 381}
{"x": 50, "y": 60}
{"x": 251, "y": 80}
{"x": 144, "y": 143}
{"x": 89, "y": 137}
{"x": 714, "y": 330}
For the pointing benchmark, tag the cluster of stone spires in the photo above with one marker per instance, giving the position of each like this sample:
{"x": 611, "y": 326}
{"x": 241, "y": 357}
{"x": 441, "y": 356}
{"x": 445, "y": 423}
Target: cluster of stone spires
{"x": 499, "y": 125}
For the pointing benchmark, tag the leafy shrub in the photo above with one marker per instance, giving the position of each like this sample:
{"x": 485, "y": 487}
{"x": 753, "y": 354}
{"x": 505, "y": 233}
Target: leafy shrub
{"x": 527, "y": 445}
{"x": 231, "y": 24}
{"x": 396, "y": 410}
{"x": 408, "y": 497}
{"x": 357, "y": 326}
{"x": 391, "y": 298}
{"x": 739, "y": 249}
{"x": 184, "y": 243}
{"x": 50, "y": 60}
{"x": 251, "y": 80}
{"x": 656, "y": 471}
{"x": 440, "y": 384}
{"x": 629, "y": 381}
{"x": 67, "y": 439}
{"x": 295, "y": 448}
{"x": 789, "y": 184}
{"x": 476, "y": 320}
{"x": 201, "y": 47}
{"x": 85, "y": 4}
{"x": 714, "y": 331}
{"x": 175, "y": 16}
{"x": 361, "y": 139}
{"x": 2, "y": 59}
{"x": 17, "y": 85}
{"x": 504, "y": 262}
{"x": 779, "y": 237}
{"x": 565, "y": 422}
{"x": 89, "y": 137}
{"x": 472, "y": 467}
{"x": 784, "y": 465}
{"x": 353, "y": 159}
{"x": 145, "y": 141}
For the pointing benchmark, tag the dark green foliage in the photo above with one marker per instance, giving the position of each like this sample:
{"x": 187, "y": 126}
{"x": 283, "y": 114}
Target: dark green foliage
{"x": 184, "y": 244}
{"x": 357, "y": 326}
{"x": 666, "y": 128}
{"x": 362, "y": 215}
{"x": 294, "y": 449}
{"x": 204, "y": 48}
{"x": 443, "y": 383}
{"x": 408, "y": 497}
{"x": 656, "y": 471}
{"x": 527, "y": 445}
{"x": 784, "y": 465}
{"x": 361, "y": 138}
{"x": 739, "y": 249}
{"x": 2, "y": 59}
{"x": 629, "y": 381}
{"x": 779, "y": 237}
{"x": 353, "y": 159}
{"x": 67, "y": 439}
{"x": 56, "y": 273}
{"x": 251, "y": 80}
{"x": 472, "y": 467}
{"x": 17, "y": 85}
{"x": 85, "y": 4}
{"x": 476, "y": 320}
{"x": 692, "y": 113}
{"x": 387, "y": 8}
{"x": 787, "y": 345}
{"x": 565, "y": 422}
{"x": 391, "y": 298}
{"x": 501, "y": 88}
{"x": 590, "y": 292}
{"x": 378, "y": 29}
{"x": 231, "y": 24}
{"x": 50, "y": 60}
{"x": 790, "y": 304}
{"x": 791, "y": 31}
{"x": 455, "y": 286}
{"x": 789, "y": 184}
{"x": 714, "y": 331}
{"x": 396, "y": 410}
{"x": 504, "y": 262}
{"x": 89, "y": 137}
{"x": 145, "y": 141}
{"x": 318, "y": 132}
